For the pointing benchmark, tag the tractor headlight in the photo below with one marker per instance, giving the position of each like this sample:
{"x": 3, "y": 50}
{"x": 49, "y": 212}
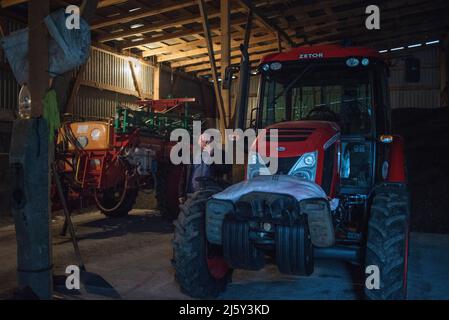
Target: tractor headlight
{"x": 275, "y": 66}
{"x": 305, "y": 167}
{"x": 265, "y": 67}
{"x": 95, "y": 134}
{"x": 256, "y": 166}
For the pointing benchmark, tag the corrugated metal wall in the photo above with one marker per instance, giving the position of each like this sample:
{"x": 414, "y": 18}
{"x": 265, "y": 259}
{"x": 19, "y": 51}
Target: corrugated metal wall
{"x": 106, "y": 68}
{"x": 9, "y": 91}
{"x": 91, "y": 102}
{"x": 173, "y": 84}
{"x": 107, "y": 81}
{"x": 422, "y": 94}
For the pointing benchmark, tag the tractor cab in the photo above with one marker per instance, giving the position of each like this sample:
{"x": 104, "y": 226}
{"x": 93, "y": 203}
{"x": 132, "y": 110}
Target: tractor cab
{"x": 344, "y": 86}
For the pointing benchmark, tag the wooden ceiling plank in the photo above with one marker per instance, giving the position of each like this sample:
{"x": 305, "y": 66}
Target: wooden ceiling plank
{"x": 176, "y": 34}
{"x": 193, "y": 45}
{"x": 205, "y": 66}
{"x": 161, "y": 25}
{"x": 190, "y": 53}
{"x": 101, "y": 4}
{"x": 140, "y": 14}
{"x": 235, "y": 53}
{"x": 259, "y": 16}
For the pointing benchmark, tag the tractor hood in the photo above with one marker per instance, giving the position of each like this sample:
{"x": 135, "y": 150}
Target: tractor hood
{"x": 298, "y": 188}
{"x": 298, "y": 137}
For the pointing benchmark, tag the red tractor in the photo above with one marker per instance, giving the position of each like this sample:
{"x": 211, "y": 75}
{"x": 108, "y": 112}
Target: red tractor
{"x": 107, "y": 162}
{"x": 340, "y": 190}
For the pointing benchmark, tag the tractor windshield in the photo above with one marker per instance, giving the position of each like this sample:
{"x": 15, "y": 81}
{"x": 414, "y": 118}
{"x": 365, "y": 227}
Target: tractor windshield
{"x": 326, "y": 92}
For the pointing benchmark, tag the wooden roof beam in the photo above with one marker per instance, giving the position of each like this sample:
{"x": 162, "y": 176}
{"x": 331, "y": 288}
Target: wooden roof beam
{"x": 139, "y": 14}
{"x": 101, "y": 4}
{"x": 190, "y": 53}
{"x": 259, "y": 16}
{"x": 254, "y": 65}
{"x": 235, "y": 53}
{"x": 161, "y": 25}
{"x": 176, "y": 34}
{"x": 193, "y": 45}
{"x": 254, "y": 57}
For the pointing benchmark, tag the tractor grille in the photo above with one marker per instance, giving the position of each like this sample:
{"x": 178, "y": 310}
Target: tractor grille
{"x": 285, "y": 164}
{"x": 290, "y": 134}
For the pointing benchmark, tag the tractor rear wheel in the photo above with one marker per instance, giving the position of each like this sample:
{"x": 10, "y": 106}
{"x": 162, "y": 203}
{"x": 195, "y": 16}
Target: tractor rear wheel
{"x": 387, "y": 244}
{"x": 200, "y": 268}
{"x": 113, "y": 203}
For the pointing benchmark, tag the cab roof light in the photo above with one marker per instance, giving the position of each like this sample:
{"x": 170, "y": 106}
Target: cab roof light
{"x": 433, "y": 42}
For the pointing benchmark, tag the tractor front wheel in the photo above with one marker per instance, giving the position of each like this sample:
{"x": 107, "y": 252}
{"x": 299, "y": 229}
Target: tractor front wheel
{"x": 387, "y": 244}
{"x": 200, "y": 268}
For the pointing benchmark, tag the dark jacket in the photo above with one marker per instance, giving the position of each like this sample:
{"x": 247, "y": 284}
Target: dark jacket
{"x": 184, "y": 180}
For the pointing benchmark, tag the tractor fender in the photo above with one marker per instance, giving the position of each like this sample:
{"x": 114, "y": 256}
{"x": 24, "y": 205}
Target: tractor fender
{"x": 397, "y": 171}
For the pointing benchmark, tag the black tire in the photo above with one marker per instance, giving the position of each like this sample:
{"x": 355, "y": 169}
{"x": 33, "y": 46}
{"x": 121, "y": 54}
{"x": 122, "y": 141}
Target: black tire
{"x": 387, "y": 244}
{"x": 237, "y": 248}
{"x": 110, "y": 209}
{"x": 190, "y": 250}
{"x": 294, "y": 250}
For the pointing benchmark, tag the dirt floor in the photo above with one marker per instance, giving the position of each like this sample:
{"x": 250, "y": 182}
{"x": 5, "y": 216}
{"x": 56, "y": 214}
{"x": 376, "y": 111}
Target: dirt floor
{"x": 129, "y": 258}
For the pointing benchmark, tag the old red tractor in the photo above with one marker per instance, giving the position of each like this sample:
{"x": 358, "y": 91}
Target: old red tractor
{"x": 339, "y": 192}
{"x": 108, "y": 162}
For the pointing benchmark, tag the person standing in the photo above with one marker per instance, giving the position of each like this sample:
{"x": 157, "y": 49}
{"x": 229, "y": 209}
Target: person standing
{"x": 197, "y": 169}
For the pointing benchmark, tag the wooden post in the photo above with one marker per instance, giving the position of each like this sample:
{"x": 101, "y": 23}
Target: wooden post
{"x": 135, "y": 79}
{"x": 29, "y": 168}
{"x": 210, "y": 49}
{"x": 225, "y": 55}
{"x": 38, "y": 57}
{"x": 75, "y": 89}
{"x": 264, "y": 21}
{"x": 156, "y": 82}
{"x": 246, "y": 42}
{"x": 279, "y": 40}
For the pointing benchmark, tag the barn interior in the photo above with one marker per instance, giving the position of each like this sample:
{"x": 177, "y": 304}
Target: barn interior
{"x": 181, "y": 61}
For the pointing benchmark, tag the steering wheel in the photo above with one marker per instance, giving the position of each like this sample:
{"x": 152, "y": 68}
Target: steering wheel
{"x": 322, "y": 113}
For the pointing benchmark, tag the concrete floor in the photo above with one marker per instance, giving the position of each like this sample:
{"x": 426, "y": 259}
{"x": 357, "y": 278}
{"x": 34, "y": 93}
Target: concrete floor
{"x": 132, "y": 256}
